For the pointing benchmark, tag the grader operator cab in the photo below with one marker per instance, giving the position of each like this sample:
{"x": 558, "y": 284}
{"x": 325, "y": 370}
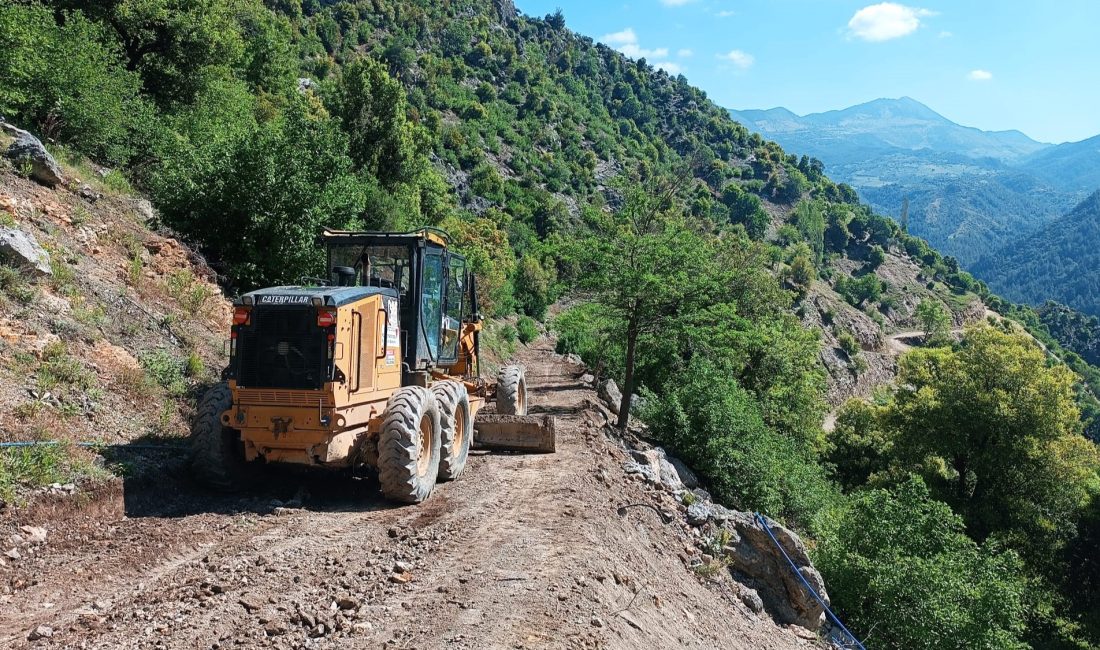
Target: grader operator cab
{"x": 378, "y": 367}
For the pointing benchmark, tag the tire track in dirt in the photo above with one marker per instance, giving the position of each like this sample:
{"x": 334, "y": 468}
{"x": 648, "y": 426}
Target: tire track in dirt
{"x": 522, "y": 551}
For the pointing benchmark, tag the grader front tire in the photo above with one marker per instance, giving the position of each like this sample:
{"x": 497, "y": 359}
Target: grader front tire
{"x": 217, "y": 456}
{"x": 512, "y": 391}
{"x": 456, "y": 427}
{"x": 408, "y": 449}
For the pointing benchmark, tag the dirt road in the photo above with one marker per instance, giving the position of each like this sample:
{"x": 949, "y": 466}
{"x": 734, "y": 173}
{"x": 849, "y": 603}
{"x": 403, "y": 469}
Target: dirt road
{"x": 520, "y": 552}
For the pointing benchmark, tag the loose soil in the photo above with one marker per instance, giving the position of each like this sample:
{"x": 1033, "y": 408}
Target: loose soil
{"x": 522, "y": 551}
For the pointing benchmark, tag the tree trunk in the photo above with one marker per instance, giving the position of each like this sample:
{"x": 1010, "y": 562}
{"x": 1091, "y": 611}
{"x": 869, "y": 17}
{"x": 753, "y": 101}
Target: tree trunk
{"x": 628, "y": 374}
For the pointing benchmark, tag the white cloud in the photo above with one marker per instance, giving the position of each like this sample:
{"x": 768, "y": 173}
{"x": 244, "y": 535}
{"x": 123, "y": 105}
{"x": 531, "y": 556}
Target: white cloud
{"x": 675, "y": 3}
{"x": 741, "y": 59}
{"x": 725, "y": 13}
{"x": 885, "y": 21}
{"x": 626, "y": 42}
{"x": 946, "y": 34}
{"x": 685, "y": 53}
{"x": 980, "y": 75}
{"x": 619, "y": 38}
{"x": 669, "y": 67}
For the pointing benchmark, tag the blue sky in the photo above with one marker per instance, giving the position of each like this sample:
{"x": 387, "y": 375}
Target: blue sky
{"x": 1014, "y": 64}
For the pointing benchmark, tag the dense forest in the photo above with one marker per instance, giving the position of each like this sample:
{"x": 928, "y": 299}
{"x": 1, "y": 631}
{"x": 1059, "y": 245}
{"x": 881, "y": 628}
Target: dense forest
{"x": 948, "y": 513}
{"x": 1057, "y": 263}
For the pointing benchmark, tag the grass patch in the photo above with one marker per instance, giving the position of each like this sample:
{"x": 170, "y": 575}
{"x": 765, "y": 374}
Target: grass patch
{"x": 27, "y": 468}
{"x": 59, "y": 368}
{"x": 499, "y": 339}
{"x": 166, "y": 371}
{"x": 191, "y": 294}
{"x": 14, "y": 286}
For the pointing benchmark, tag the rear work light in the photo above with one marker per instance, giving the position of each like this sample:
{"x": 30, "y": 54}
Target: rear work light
{"x": 240, "y": 315}
{"x": 326, "y": 318}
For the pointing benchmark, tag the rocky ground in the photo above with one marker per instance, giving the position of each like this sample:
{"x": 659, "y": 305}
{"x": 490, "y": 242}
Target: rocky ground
{"x": 522, "y": 551}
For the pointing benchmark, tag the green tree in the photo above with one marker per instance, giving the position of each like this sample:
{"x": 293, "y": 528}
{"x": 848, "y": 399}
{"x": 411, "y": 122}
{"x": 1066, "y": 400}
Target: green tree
{"x": 935, "y": 321}
{"x": 370, "y": 106}
{"x": 901, "y": 568}
{"x": 746, "y": 209}
{"x": 533, "y": 286}
{"x": 858, "y": 447}
{"x": 995, "y": 431}
{"x": 69, "y": 82}
{"x": 644, "y": 264}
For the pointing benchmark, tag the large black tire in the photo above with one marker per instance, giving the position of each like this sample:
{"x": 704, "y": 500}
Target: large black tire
{"x": 511, "y": 391}
{"x": 217, "y": 454}
{"x": 408, "y": 449}
{"x": 456, "y": 427}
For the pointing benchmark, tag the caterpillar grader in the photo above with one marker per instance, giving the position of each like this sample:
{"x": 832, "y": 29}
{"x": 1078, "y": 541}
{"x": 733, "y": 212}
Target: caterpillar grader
{"x": 377, "y": 366}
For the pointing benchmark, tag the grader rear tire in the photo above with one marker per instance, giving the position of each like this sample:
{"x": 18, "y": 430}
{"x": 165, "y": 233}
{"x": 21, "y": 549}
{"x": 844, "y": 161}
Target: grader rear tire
{"x": 511, "y": 391}
{"x": 408, "y": 449}
{"x": 456, "y": 427}
{"x": 217, "y": 455}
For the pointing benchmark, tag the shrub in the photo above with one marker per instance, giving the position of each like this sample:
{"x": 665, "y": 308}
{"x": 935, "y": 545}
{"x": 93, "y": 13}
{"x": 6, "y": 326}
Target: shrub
{"x": 527, "y": 330}
{"x": 716, "y": 426}
{"x": 849, "y": 344}
{"x": 167, "y": 371}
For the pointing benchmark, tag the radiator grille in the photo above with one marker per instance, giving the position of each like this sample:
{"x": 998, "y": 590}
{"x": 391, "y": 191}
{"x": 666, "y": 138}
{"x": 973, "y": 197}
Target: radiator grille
{"x": 288, "y": 398}
{"x": 282, "y": 347}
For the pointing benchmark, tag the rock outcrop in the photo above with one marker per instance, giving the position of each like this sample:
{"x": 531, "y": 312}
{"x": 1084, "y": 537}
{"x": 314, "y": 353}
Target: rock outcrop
{"x": 28, "y": 151}
{"x": 754, "y": 560}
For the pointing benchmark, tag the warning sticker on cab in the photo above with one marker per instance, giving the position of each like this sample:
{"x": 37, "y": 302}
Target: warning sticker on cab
{"x": 393, "y": 329}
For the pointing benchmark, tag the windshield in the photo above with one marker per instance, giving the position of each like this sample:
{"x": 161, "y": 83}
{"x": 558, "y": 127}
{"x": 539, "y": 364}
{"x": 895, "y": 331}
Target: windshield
{"x": 375, "y": 266}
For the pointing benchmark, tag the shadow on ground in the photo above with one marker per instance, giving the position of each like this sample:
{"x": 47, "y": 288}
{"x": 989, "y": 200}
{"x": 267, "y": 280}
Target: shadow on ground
{"x": 159, "y": 483}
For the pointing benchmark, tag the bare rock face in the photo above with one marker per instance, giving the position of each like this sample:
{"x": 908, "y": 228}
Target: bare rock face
{"x": 506, "y": 9}
{"x": 28, "y": 150}
{"x": 755, "y": 559}
{"x": 18, "y": 248}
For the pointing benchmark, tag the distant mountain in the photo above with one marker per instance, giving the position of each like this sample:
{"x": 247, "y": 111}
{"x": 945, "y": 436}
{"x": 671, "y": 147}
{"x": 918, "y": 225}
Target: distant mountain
{"x": 970, "y": 191}
{"x": 1070, "y": 167}
{"x": 1061, "y": 262}
{"x": 887, "y": 124}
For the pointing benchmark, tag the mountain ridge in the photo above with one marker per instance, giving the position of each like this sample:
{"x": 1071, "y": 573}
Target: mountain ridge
{"x": 953, "y": 176}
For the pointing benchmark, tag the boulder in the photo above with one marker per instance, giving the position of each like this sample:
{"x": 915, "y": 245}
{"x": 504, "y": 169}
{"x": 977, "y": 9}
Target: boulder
{"x": 647, "y": 463}
{"x": 699, "y": 513}
{"x": 28, "y": 150}
{"x": 18, "y": 248}
{"x": 756, "y": 561}
{"x": 610, "y": 393}
{"x": 637, "y": 404}
{"x": 683, "y": 473}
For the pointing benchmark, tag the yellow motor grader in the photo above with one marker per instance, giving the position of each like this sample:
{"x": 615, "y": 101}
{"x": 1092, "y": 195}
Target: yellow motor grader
{"x": 376, "y": 366}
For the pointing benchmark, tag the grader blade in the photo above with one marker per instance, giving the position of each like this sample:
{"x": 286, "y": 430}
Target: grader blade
{"x": 522, "y": 433}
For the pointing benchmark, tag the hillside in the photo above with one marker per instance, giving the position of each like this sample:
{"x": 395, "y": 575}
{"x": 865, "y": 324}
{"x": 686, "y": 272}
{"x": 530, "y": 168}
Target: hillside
{"x": 1071, "y": 167}
{"x": 970, "y": 192}
{"x": 1058, "y": 263}
{"x": 111, "y": 343}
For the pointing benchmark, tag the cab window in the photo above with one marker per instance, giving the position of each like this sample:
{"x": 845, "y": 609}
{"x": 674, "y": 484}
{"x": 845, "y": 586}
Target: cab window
{"x": 452, "y": 320}
{"x": 431, "y": 306}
